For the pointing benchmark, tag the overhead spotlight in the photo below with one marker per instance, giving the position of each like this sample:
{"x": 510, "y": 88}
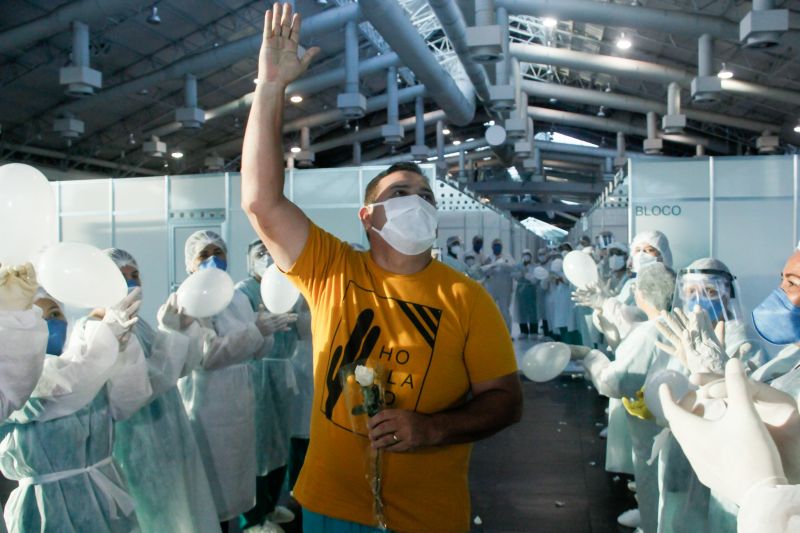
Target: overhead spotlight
{"x": 602, "y": 111}
{"x": 470, "y": 139}
{"x": 177, "y": 154}
{"x": 131, "y": 139}
{"x": 255, "y": 80}
{"x": 295, "y": 99}
{"x": 549, "y": 22}
{"x": 623, "y": 43}
{"x": 797, "y": 129}
{"x": 456, "y": 142}
{"x": 153, "y": 17}
{"x": 553, "y": 100}
{"x": 446, "y": 131}
{"x": 295, "y": 149}
{"x": 724, "y": 73}
{"x": 608, "y": 88}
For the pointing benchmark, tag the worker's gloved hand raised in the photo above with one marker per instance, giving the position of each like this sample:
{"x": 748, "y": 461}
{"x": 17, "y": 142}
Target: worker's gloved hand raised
{"x": 170, "y": 316}
{"x": 121, "y": 318}
{"x": 592, "y": 296}
{"x": 17, "y": 287}
{"x": 733, "y": 454}
{"x": 268, "y": 323}
{"x": 692, "y": 340}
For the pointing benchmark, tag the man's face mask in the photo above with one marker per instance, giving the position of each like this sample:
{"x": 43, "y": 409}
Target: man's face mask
{"x": 213, "y": 262}
{"x": 410, "y": 226}
{"x": 777, "y": 319}
{"x": 616, "y": 262}
{"x": 57, "y": 336}
{"x": 497, "y": 249}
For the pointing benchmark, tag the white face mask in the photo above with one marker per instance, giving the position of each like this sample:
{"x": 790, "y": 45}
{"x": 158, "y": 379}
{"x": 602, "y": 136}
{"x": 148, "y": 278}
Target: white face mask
{"x": 642, "y": 259}
{"x": 261, "y": 264}
{"x": 455, "y": 250}
{"x": 410, "y": 224}
{"x": 616, "y": 262}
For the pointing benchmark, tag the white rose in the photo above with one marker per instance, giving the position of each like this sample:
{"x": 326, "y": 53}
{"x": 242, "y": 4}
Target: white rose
{"x": 365, "y": 375}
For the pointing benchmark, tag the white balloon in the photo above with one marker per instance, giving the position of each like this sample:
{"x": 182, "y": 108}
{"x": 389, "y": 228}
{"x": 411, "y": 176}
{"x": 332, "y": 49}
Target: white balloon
{"x": 27, "y": 214}
{"x": 580, "y": 269}
{"x": 205, "y": 293}
{"x": 545, "y": 361}
{"x": 81, "y": 275}
{"x": 277, "y": 292}
{"x": 679, "y": 385}
{"x": 540, "y": 273}
{"x": 557, "y": 266}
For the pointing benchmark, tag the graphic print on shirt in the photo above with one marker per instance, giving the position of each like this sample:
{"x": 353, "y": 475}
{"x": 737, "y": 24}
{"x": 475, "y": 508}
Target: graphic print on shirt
{"x": 393, "y": 335}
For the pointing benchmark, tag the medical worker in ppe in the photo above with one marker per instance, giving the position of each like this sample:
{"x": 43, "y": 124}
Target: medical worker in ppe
{"x": 24, "y": 337}
{"x": 275, "y": 387}
{"x": 542, "y": 306}
{"x": 498, "y": 282}
{"x": 303, "y": 362}
{"x": 156, "y": 447}
{"x": 453, "y": 253}
{"x": 617, "y": 261}
{"x": 562, "y": 318}
{"x": 218, "y": 395}
{"x": 625, "y": 377}
{"x": 58, "y": 446}
{"x": 477, "y": 249}
{"x": 472, "y": 267}
{"x": 525, "y": 296}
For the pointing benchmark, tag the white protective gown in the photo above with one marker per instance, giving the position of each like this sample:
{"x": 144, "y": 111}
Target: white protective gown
{"x": 499, "y": 283}
{"x": 220, "y": 401}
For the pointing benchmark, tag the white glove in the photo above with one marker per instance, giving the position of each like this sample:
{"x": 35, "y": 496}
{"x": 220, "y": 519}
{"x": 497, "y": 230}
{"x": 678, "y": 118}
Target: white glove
{"x": 171, "y": 317}
{"x": 693, "y": 341}
{"x": 576, "y": 351}
{"x": 17, "y": 287}
{"x": 734, "y": 454}
{"x": 121, "y": 318}
{"x": 268, "y": 324}
{"x": 592, "y": 296}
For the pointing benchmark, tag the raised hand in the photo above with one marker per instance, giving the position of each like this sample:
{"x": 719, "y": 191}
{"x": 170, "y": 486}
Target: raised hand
{"x": 17, "y": 287}
{"x": 693, "y": 341}
{"x": 278, "y": 62}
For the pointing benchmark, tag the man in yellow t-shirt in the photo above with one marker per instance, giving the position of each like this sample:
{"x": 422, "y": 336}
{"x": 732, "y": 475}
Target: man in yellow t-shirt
{"x": 436, "y": 338}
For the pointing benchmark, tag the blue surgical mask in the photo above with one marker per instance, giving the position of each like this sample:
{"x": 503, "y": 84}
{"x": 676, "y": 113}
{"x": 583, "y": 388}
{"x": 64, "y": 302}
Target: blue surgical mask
{"x": 477, "y": 246}
{"x": 777, "y": 319}
{"x": 712, "y": 306}
{"x": 132, "y": 284}
{"x": 57, "y": 336}
{"x": 213, "y": 262}
{"x": 497, "y": 249}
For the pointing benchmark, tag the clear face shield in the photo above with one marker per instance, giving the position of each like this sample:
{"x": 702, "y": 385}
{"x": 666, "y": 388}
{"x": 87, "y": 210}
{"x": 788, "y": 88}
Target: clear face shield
{"x": 714, "y": 291}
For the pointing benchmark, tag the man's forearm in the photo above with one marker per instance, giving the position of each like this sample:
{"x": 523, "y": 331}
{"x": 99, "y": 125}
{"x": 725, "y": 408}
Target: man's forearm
{"x": 480, "y": 417}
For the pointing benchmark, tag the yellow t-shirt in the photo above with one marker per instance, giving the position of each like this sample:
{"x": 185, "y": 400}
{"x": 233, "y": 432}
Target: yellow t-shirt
{"x": 430, "y": 334}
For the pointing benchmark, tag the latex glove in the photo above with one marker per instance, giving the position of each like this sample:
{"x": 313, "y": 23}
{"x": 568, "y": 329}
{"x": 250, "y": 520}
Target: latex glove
{"x": 637, "y": 407}
{"x": 268, "y": 323}
{"x": 171, "y": 317}
{"x": 732, "y": 455}
{"x": 693, "y": 341}
{"x": 121, "y": 318}
{"x": 592, "y": 296}
{"x": 576, "y": 351}
{"x": 17, "y": 287}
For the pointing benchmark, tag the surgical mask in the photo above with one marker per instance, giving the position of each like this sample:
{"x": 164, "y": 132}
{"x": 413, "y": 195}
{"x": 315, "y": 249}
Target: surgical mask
{"x": 132, "y": 284}
{"x": 642, "y": 259}
{"x": 712, "y": 306}
{"x": 410, "y": 226}
{"x": 497, "y": 249}
{"x": 477, "y": 246}
{"x": 213, "y": 262}
{"x": 455, "y": 250}
{"x": 469, "y": 262}
{"x": 526, "y": 259}
{"x": 616, "y": 262}
{"x": 777, "y": 319}
{"x": 261, "y": 264}
{"x": 564, "y": 253}
{"x": 57, "y": 330}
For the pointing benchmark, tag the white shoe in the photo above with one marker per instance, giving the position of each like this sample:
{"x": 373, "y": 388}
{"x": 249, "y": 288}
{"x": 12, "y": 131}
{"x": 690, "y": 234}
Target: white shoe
{"x": 632, "y": 486}
{"x": 281, "y": 515}
{"x": 630, "y": 518}
{"x": 603, "y": 433}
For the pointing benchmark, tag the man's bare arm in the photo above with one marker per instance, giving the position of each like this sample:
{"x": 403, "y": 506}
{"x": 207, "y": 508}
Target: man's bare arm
{"x": 495, "y": 404}
{"x": 279, "y": 223}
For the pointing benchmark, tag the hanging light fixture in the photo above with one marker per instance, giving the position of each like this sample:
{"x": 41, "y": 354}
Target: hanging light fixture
{"x": 724, "y": 73}
{"x": 153, "y": 17}
{"x": 623, "y": 43}
{"x": 549, "y": 22}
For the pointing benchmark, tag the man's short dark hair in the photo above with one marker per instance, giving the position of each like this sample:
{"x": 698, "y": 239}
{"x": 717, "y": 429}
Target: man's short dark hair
{"x": 370, "y": 195}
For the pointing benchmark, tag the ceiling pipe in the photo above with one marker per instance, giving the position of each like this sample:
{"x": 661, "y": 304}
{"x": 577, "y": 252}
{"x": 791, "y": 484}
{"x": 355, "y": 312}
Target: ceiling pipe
{"x": 440, "y": 163}
{"x": 636, "y": 104}
{"x": 640, "y": 17}
{"x": 351, "y": 102}
{"x": 419, "y": 149}
{"x": 449, "y": 149}
{"x": 392, "y": 132}
{"x": 652, "y": 145}
{"x": 674, "y": 121}
{"x": 216, "y": 58}
{"x": 390, "y": 20}
{"x": 190, "y": 116}
{"x": 640, "y": 70}
{"x": 59, "y": 19}
{"x": 706, "y": 86}
{"x": 357, "y": 153}
{"x": 102, "y": 163}
{"x": 80, "y": 79}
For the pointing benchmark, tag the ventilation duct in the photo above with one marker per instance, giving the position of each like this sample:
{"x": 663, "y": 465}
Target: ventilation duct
{"x": 652, "y": 144}
{"x": 419, "y": 150}
{"x": 674, "y": 121}
{"x": 79, "y": 78}
{"x": 762, "y": 27}
{"x": 305, "y": 157}
{"x": 767, "y": 143}
{"x": 700, "y": 151}
{"x": 214, "y": 163}
{"x": 190, "y": 116}
{"x": 392, "y": 132}
{"x": 68, "y": 126}
{"x": 522, "y": 148}
{"x": 357, "y": 153}
{"x": 351, "y": 102}
{"x": 706, "y": 86}
{"x": 621, "y": 158}
{"x": 441, "y": 164}
{"x": 501, "y": 95}
{"x": 154, "y": 147}
{"x": 485, "y": 39}
{"x": 516, "y": 124}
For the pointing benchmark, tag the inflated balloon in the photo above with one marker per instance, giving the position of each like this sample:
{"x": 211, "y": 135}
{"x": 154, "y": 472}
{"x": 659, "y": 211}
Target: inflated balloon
{"x": 541, "y": 273}
{"x": 679, "y": 386}
{"x": 277, "y": 292}
{"x": 81, "y": 275}
{"x": 205, "y": 293}
{"x": 580, "y": 269}
{"x": 545, "y": 361}
{"x": 557, "y": 266}
{"x": 27, "y": 214}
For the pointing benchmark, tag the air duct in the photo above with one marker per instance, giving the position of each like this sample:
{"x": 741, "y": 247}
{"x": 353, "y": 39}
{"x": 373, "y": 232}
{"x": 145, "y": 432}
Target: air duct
{"x": 523, "y": 147}
{"x": 357, "y": 153}
{"x": 68, "y": 126}
{"x": 501, "y": 95}
{"x": 652, "y": 144}
{"x": 762, "y": 27}
{"x": 768, "y": 143}
{"x": 419, "y": 150}
{"x": 154, "y": 147}
{"x": 621, "y": 158}
{"x": 700, "y": 151}
{"x": 351, "y": 102}
{"x": 392, "y": 132}
{"x": 516, "y": 123}
{"x": 190, "y": 116}
{"x": 305, "y": 157}
{"x": 706, "y": 87}
{"x": 673, "y": 121}
{"x": 213, "y": 162}
{"x": 462, "y": 169}
{"x": 79, "y": 78}
{"x": 485, "y": 39}
{"x": 390, "y": 20}
{"x": 441, "y": 165}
